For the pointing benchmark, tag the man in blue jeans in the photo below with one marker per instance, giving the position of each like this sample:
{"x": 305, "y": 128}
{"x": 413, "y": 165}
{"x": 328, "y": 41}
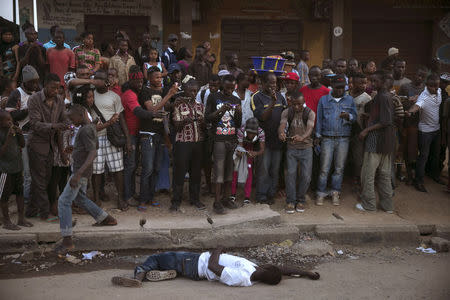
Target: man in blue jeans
{"x": 296, "y": 127}
{"x": 267, "y": 106}
{"x": 84, "y": 153}
{"x": 335, "y": 114}
{"x": 213, "y": 266}
{"x": 428, "y": 105}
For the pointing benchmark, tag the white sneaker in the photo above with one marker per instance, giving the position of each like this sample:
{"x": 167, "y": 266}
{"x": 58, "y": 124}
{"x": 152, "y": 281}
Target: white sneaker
{"x": 360, "y": 207}
{"x": 335, "y": 199}
{"x": 319, "y": 201}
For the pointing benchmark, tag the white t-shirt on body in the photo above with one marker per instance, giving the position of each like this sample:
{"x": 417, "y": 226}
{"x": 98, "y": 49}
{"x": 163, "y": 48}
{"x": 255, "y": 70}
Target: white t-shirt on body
{"x": 108, "y": 104}
{"x": 237, "y": 270}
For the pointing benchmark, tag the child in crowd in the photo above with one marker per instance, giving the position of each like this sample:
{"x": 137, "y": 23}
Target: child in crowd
{"x": 153, "y": 61}
{"x": 84, "y": 153}
{"x": 11, "y": 168}
{"x": 251, "y": 140}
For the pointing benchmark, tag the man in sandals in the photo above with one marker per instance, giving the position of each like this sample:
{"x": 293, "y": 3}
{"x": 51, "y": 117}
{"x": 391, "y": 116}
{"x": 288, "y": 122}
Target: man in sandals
{"x": 215, "y": 266}
{"x": 84, "y": 153}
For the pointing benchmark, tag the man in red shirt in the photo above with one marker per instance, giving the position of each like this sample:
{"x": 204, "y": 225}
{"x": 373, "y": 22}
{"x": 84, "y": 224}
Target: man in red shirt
{"x": 312, "y": 94}
{"x": 315, "y": 90}
{"x": 133, "y": 112}
{"x": 60, "y": 59}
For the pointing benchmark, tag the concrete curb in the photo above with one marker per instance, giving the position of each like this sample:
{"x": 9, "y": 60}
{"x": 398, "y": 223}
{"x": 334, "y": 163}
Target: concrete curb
{"x": 369, "y": 234}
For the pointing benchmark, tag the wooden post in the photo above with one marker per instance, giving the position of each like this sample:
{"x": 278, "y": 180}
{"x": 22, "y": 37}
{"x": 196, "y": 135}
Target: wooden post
{"x": 337, "y": 29}
{"x": 186, "y": 24}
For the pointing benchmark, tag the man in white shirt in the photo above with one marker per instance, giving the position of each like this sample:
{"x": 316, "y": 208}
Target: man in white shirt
{"x": 213, "y": 266}
{"x": 429, "y": 130}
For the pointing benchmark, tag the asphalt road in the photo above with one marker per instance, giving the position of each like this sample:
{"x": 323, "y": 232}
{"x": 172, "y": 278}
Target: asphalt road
{"x": 375, "y": 276}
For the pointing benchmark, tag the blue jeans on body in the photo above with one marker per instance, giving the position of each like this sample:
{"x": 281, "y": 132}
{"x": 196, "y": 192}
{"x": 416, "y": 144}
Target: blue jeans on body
{"x": 185, "y": 263}
{"x": 151, "y": 153}
{"x": 294, "y": 158}
{"x": 429, "y": 145}
{"x": 164, "y": 174}
{"x": 129, "y": 172}
{"x": 269, "y": 173}
{"x": 77, "y": 195}
{"x": 26, "y": 171}
{"x": 333, "y": 150}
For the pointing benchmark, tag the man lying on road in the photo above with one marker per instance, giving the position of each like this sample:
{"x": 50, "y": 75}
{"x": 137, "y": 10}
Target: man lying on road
{"x": 228, "y": 269}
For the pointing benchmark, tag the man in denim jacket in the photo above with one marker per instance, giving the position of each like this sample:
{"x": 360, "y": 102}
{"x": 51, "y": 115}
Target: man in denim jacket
{"x": 335, "y": 114}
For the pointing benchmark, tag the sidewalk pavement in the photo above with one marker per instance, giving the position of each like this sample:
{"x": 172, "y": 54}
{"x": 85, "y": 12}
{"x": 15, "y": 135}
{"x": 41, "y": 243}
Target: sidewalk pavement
{"x": 251, "y": 225}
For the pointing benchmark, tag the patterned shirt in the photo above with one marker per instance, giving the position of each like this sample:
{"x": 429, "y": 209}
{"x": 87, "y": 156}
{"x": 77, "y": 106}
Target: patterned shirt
{"x": 86, "y": 57}
{"x": 193, "y": 131}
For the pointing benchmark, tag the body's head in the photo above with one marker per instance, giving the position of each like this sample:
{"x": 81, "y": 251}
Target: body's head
{"x": 387, "y": 64}
{"x": 370, "y": 67}
{"x": 207, "y": 46}
{"x": 338, "y": 84}
{"x": 314, "y": 76}
{"x": 30, "y": 78}
{"x": 325, "y": 77}
{"x": 359, "y": 83}
{"x": 190, "y": 89}
{"x": 341, "y": 66}
{"x": 200, "y": 54}
{"x": 289, "y": 66}
{"x": 51, "y": 86}
{"x": 136, "y": 78}
{"x": 107, "y": 49}
{"x": 88, "y": 39}
{"x": 399, "y": 68}
{"x": 327, "y": 63}
{"x": 304, "y": 55}
{"x": 269, "y": 82}
{"x": 389, "y": 81}
{"x": 77, "y": 114}
{"x": 432, "y": 83}
{"x": 6, "y": 120}
{"x": 6, "y": 86}
{"x": 268, "y": 274}
{"x": 228, "y": 84}
{"x": 214, "y": 83}
{"x": 154, "y": 76}
{"x": 172, "y": 41}
{"x": 84, "y": 96}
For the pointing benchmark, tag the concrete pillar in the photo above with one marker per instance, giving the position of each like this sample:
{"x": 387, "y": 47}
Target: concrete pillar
{"x": 338, "y": 29}
{"x": 186, "y": 24}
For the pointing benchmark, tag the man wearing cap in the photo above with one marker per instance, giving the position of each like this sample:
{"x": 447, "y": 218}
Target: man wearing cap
{"x": 17, "y": 105}
{"x": 393, "y": 52}
{"x": 170, "y": 55}
{"x": 336, "y": 113}
{"x": 173, "y": 75}
{"x": 290, "y": 83}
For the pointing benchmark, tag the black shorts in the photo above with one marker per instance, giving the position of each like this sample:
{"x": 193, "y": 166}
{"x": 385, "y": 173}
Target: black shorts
{"x": 10, "y": 184}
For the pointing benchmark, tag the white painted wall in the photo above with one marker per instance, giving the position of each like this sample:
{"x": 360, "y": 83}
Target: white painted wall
{"x": 7, "y": 9}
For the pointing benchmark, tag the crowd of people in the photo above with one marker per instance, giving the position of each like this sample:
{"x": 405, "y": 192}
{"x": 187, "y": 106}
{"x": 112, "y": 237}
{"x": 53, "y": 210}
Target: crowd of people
{"x": 70, "y": 116}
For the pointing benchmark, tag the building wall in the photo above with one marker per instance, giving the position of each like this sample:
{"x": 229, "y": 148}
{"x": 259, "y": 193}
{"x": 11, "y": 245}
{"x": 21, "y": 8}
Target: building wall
{"x": 70, "y": 14}
{"x": 315, "y": 32}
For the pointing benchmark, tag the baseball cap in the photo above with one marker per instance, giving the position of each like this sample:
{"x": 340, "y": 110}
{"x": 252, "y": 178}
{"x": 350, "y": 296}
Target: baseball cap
{"x": 338, "y": 80}
{"x": 392, "y": 51}
{"x": 173, "y": 67}
{"x": 292, "y": 76}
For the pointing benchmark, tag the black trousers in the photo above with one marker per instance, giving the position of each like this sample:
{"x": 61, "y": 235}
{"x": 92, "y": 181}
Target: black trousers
{"x": 57, "y": 183}
{"x": 187, "y": 158}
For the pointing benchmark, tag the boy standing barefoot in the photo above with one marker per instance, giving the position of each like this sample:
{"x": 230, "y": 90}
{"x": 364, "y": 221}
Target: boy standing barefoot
{"x": 11, "y": 168}
{"x": 84, "y": 153}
